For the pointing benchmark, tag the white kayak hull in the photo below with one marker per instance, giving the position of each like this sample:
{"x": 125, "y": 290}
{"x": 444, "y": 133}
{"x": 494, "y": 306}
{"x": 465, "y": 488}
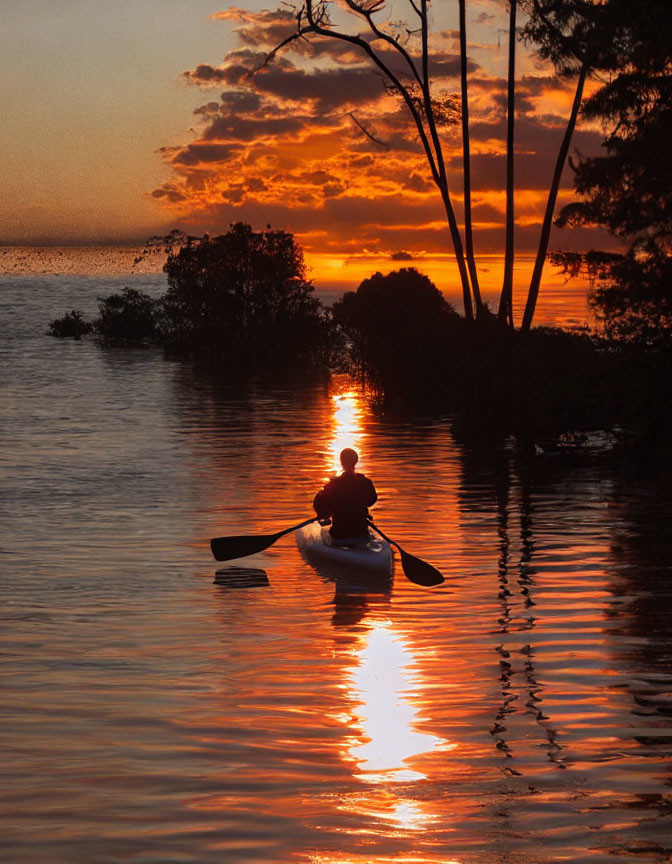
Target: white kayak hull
{"x": 317, "y": 545}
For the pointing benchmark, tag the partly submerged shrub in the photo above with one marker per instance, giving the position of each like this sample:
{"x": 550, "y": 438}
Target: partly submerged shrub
{"x": 129, "y": 317}
{"x": 71, "y": 326}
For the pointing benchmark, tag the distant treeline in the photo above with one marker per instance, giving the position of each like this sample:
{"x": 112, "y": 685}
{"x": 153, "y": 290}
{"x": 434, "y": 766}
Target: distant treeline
{"x": 242, "y": 297}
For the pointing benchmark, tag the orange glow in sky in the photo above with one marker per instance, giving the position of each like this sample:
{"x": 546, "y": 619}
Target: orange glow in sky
{"x": 152, "y": 123}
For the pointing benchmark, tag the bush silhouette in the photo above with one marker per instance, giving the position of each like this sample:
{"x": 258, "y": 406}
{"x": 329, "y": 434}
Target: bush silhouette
{"x": 71, "y": 326}
{"x": 395, "y": 318}
{"x": 243, "y": 295}
{"x": 130, "y": 317}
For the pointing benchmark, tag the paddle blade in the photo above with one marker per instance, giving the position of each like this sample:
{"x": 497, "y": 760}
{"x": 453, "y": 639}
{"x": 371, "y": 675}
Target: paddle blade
{"x": 419, "y": 571}
{"x": 228, "y": 548}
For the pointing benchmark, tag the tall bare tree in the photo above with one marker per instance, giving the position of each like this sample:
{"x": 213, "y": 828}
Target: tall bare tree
{"x": 569, "y": 33}
{"x": 413, "y": 86}
{"x": 466, "y": 160}
{"x": 506, "y": 300}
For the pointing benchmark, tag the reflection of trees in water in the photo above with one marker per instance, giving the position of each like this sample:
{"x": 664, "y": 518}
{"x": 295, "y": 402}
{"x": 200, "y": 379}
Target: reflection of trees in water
{"x": 498, "y": 481}
{"x": 252, "y": 444}
{"x": 640, "y": 576}
{"x": 640, "y": 572}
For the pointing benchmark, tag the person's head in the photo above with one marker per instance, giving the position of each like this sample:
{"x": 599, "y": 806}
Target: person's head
{"x": 349, "y": 459}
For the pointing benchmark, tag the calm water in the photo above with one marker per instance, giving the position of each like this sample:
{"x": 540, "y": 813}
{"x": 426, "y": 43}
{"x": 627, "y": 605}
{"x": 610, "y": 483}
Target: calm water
{"x": 521, "y": 713}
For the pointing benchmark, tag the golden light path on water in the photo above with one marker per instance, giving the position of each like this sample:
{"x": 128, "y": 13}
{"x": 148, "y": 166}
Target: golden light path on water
{"x": 383, "y": 682}
{"x": 347, "y": 429}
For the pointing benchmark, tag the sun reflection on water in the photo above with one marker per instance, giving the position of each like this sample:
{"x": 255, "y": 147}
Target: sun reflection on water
{"x": 346, "y": 429}
{"x": 381, "y": 681}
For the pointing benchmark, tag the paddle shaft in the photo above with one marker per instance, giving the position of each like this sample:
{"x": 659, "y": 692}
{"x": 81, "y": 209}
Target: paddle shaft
{"x": 384, "y": 536}
{"x": 295, "y": 528}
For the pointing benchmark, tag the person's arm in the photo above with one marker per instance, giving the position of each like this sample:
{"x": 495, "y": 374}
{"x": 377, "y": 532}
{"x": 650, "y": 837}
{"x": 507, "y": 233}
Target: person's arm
{"x": 372, "y": 495}
{"x": 323, "y": 503}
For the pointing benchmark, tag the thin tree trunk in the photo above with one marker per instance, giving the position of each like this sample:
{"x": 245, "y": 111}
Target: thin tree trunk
{"x": 506, "y": 301}
{"x": 459, "y": 254}
{"x": 535, "y": 282}
{"x": 466, "y": 163}
{"x": 442, "y": 182}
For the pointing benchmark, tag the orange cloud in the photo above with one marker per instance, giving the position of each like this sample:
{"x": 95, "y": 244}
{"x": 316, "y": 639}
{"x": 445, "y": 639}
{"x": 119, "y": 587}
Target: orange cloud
{"x": 283, "y": 144}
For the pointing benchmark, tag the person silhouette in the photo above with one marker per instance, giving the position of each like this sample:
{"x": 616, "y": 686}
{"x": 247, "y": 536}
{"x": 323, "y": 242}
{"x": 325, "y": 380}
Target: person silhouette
{"x": 345, "y": 501}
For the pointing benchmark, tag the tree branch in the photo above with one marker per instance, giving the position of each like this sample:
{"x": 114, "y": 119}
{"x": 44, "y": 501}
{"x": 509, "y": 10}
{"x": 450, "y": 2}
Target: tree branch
{"x": 368, "y": 134}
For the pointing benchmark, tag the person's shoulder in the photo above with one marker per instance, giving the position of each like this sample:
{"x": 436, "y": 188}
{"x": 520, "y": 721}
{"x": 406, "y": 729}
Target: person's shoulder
{"x": 364, "y": 479}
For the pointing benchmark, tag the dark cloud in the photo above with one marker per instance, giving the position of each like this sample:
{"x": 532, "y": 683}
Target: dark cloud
{"x": 330, "y": 89}
{"x": 240, "y": 102}
{"x": 206, "y": 74}
{"x": 533, "y": 168}
{"x": 401, "y": 256}
{"x": 234, "y": 128}
{"x": 199, "y": 152}
{"x": 236, "y": 69}
{"x": 317, "y": 178}
{"x": 169, "y": 192}
{"x": 417, "y": 183}
{"x": 235, "y": 193}
{"x": 255, "y": 184}
{"x": 207, "y": 110}
{"x": 447, "y": 65}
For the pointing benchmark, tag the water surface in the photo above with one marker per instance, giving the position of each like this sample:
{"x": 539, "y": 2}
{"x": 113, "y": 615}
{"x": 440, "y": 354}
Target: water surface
{"x": 521, "y": 713}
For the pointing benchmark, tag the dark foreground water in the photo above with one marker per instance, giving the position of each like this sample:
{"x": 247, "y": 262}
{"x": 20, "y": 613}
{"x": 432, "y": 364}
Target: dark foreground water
{"x": 522, "y": 713}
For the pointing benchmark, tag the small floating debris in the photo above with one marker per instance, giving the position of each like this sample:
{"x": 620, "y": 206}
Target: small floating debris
{"x": 241, "y": 577}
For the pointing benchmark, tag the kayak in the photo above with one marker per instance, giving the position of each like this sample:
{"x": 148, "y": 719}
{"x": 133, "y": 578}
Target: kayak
{"x": 317, "y": 545}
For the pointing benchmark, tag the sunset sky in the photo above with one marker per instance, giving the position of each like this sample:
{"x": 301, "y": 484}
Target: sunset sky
{"x": 128, "y": 118}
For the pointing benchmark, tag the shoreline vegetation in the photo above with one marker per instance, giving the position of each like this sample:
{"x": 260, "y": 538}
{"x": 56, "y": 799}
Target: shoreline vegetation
{"x": 241, "y": 302}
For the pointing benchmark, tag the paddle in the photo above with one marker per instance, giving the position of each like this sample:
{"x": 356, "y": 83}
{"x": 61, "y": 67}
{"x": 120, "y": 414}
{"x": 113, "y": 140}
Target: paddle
{"x": 415, "y": 569}
{"x": 228, "y": 548}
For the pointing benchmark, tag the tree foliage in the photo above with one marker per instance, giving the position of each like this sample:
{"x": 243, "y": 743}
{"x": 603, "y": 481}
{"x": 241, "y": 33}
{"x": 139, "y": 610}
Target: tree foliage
{"x": 241, "y": 297}
{"x": 391, "y": 318}
{"x": 130, "y": 316}
{"x": 243, "y": 294}
{"x": 628, "y": 188}
{"x": 71, "y": 326}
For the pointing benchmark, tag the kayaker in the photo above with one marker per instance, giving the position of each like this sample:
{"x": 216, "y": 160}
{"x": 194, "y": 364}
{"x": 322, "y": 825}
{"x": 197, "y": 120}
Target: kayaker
{"x": 345, "y": 500}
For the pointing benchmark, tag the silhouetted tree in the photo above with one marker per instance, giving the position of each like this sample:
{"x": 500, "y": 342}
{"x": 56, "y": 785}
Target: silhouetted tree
{"x": 466, "y": 159}
{"x": 506, "y": 301}
{"x": 397, "y": 324}
{"x": 130, "y": 316}
{"x": 567, "y": 33}
{"x": 71, "y": 326}
{"x": 628, "y": 190}
{"x": 243, "y": 294}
